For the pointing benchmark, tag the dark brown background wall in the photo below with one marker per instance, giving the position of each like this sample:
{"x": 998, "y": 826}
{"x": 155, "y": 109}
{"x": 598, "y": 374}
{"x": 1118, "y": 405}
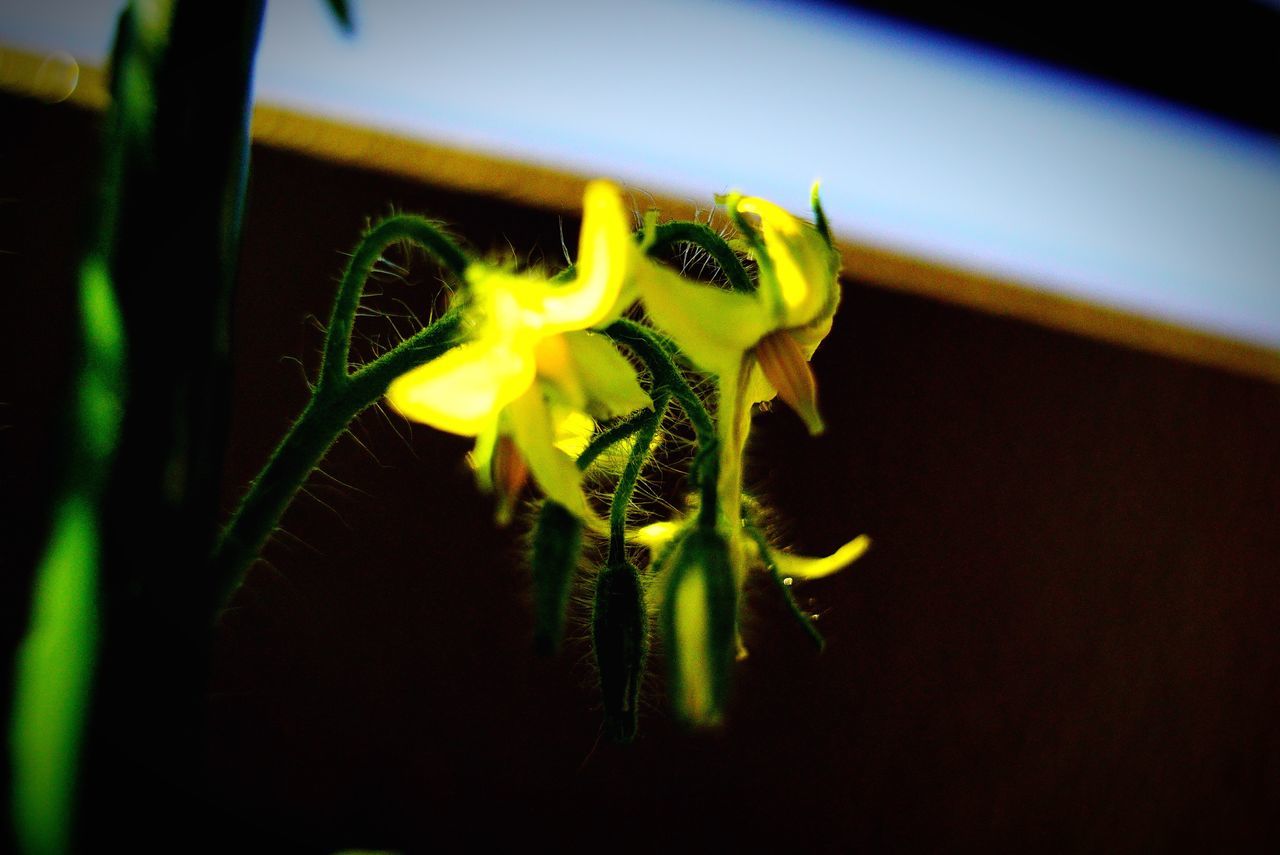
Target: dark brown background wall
{"x": 1065, "y": 636}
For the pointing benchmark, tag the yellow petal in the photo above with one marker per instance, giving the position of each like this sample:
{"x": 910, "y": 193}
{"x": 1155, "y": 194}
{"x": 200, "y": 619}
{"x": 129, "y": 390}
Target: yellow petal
{"x": 656, "y": 536}
{"x": 608, "y": 380}
{"x": 799, "y": 567}
{"x": 464, "y": 390}
{"x": 803, "y": 265}
{"x": 573, "y": 430}
{"x": 552, "y": 469}
{"x": 606, "y": 259}
{"x": 558, "y": 373}
{"x": 712, "y": 326}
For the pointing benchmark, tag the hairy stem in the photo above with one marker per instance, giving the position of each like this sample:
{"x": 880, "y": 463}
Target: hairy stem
{"x": 706, "y": 238}
{"x": 631, "y": 474}
{"x": 338, "y": 397}
{"x": 666, "y": 376}
{"x": 326, "y": 416}
{"x": 403, "y": 227}
{"x": 801, "y": 616}
{"x": 611, "y": 436}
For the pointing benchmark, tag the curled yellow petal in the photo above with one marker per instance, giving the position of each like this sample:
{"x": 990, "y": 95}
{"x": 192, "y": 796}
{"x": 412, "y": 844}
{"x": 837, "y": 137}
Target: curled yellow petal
{"x": 606, "y": 260}
{"x": 802, "y": 265}
{"x": 799, "y": 567}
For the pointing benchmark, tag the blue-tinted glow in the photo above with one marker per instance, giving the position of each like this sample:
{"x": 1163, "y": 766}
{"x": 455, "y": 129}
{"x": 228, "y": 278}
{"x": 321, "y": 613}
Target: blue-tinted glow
{"x": 970, "y": 158}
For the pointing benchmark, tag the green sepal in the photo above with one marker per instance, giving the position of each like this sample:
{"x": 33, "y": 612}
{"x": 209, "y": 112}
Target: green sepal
{"x": 557, "y": 543}
{"x": 820, "y": 217}
{"x": 620, "y": 633}
{"x": 699, "y": 626}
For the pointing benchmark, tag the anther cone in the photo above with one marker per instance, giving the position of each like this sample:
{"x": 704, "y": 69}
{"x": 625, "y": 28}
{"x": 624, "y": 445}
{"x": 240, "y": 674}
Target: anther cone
{"x": 785, "y": 366}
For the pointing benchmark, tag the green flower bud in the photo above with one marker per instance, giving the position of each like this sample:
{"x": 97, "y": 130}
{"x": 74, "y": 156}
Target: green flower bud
{"x": 699, "y": 619}
{"x": 620, "y": 632}
{"x": 557, "y": 542}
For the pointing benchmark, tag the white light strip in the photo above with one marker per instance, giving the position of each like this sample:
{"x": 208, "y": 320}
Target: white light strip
{"x": 924, "y": 145}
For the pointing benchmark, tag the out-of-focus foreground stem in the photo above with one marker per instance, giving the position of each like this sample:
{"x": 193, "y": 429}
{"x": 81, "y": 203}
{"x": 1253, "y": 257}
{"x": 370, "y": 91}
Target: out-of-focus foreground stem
{"x": 105, "y": 734}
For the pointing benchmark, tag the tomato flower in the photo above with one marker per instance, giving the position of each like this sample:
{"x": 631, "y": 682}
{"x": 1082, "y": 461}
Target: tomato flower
{"x": 777, "y": 327}
{"x": 531, "y": 367}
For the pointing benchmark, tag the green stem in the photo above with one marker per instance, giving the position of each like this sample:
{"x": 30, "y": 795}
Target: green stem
{"x": 325, "y": 417}
{"x": 607, "y": 438}
{"x": 667, "y": 377}
{"x": 801, "y": 616}
{"x": 403, "y": 227}
{"x": 706, "y": 238}
{"x": 631, "y": 474}
{"x": 339, "y": 396}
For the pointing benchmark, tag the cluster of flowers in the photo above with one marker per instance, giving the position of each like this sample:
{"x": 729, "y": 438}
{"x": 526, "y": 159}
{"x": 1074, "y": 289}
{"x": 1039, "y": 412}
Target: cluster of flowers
{"x": 540, "y": 382}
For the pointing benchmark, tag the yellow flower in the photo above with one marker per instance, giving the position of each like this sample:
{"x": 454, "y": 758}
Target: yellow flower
{"x": 530, "y": 368}
{"x": 778, "y": 327}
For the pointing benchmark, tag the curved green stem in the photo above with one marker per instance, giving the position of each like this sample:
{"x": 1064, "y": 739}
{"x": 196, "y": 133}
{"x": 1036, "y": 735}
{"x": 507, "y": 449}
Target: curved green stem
{"x": 403, "y": 227}
{"x": 338, "y": 397}
{"x": 667, "y": 377}
{"x": 631, "y": 474}
{"x": 707, "y": 239}
{"x": 613, "y": 435}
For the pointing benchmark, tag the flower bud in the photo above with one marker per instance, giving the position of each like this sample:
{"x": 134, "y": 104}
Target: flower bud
{"x": 557, "y": 542}
{"x": 699, "y": 617}
{"x": 620, "y": 634}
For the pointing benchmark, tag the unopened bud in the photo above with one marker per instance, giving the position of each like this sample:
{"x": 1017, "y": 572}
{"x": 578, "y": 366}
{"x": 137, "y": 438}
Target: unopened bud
{"x": 699, "y": 617}
{"x": 557, "y": 543}
{"x": 620, "y": 634}
{"x": 785, "y": 366}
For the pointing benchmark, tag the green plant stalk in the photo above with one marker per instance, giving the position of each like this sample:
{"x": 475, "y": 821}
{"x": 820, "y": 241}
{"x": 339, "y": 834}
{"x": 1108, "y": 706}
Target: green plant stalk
{"x": 666, "y": 376}
{"x": 339, "y": 396}
{"x": 686, "y": 231}
{"x": 801, "y": 617}
{"x": 612, "y": 435}
{"x": 324, "y": 419}
{"x": 630, "y": 475}
{"x": 109, "y": 697}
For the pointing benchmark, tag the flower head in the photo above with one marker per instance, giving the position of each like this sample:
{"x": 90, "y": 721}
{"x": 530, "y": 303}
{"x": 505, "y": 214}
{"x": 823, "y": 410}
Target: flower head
{"x": 777, "y": 327}
{"x": 530, "y": 368}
